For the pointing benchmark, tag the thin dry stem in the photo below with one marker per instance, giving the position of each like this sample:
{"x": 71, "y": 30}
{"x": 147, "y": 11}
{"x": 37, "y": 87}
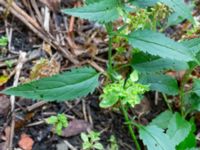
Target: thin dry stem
{"x": 21, "y": 61}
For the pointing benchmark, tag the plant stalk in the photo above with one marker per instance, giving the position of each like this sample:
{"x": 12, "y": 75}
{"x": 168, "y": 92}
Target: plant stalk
{"x": 124, "y": 111}
{"x": 109, "y": 29}
{"x": 167, "y": 102}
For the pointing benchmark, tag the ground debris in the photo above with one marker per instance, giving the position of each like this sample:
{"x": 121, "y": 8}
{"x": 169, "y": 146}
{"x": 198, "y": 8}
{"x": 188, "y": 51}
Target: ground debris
{"x": 26, "y": 142}
{"x": 75, "y": 127}
{"x": 4, "y": 105}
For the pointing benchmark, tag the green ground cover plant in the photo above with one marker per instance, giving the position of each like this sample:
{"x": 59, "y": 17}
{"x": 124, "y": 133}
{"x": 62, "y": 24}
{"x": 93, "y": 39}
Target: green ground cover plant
{"x": 59, "y": 122}
{"x": 3, "y": 41}
{"x": 152, "y": 55}
{"x": 91, "y": 141}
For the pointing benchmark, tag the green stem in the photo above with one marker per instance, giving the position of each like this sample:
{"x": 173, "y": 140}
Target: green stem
{"x": 109, "y": 29}
{"x": 167, "y": 101}
{"x": 130, "y": 127}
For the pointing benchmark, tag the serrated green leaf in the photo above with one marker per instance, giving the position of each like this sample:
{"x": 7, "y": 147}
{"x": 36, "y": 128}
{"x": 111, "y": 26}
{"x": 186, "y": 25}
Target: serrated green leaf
{"x": 102, "y": 11}
{"x": 162, "y": 120}
{"x": 189, "y": 142}
{"x": 193, "y": 45}
{"x": 66, "y": 86}
{"x": 178, "y": 128}
{"x": 160, "y": 83}
{"x": 157, "y": 44}
{"x": 144, "y": 3}
{"x": 180, "y": 8}
{"x": 155, "y": 138}
{"x": 146, "y": 63}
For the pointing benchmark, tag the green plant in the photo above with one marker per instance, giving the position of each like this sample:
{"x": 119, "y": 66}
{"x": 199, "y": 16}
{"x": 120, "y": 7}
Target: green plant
{"x": 9, "y": 63}
{"x": 113, "y": 143}
{"x": 59, "y": 122}
{"x": 153, "y": 54}
{"x": 169, "y": 131}
{"x": 65, "y": 86}
{"x": 126, "y": 92}
{"x": 3, "y": 41}
{"x": 91, "y": 141}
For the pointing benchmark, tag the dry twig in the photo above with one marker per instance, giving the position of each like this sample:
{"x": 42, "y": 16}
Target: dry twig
{"x": 22, "y": 58}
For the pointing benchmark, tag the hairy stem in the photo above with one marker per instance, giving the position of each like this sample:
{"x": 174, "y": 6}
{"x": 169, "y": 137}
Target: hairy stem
{"x": 124, "y": 111}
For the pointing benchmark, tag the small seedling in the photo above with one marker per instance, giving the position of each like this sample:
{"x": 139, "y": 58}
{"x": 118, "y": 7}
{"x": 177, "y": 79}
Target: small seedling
{"x": 59, "y": 122}
{"x": 9, "y": 63}
{"x": 128, "y": 92}
{"x": 3, "y": 41}
{"x": 113, "y": 143}
{"x": 91, "y": 141}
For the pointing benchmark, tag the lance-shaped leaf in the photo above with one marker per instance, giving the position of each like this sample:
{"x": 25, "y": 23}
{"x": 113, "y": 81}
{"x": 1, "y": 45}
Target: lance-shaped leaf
{"x": 160, "y": 83}
{"x": 155, "y": 138}
{"x": 66, "y": 86}
{"x": 193, "y": 45}
{"x": 102, "y": 11}
{"x": 156, "y": 43}
{"x": 147, "y": 63}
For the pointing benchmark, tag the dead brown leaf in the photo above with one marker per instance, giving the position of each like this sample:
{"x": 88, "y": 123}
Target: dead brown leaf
{"x": 75, "y": 127}
{"x": 21, "y": 122}
{"x": 26, "y": 142}
{"x": 44, "y": 68}
{"x": 143, "y": 108}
